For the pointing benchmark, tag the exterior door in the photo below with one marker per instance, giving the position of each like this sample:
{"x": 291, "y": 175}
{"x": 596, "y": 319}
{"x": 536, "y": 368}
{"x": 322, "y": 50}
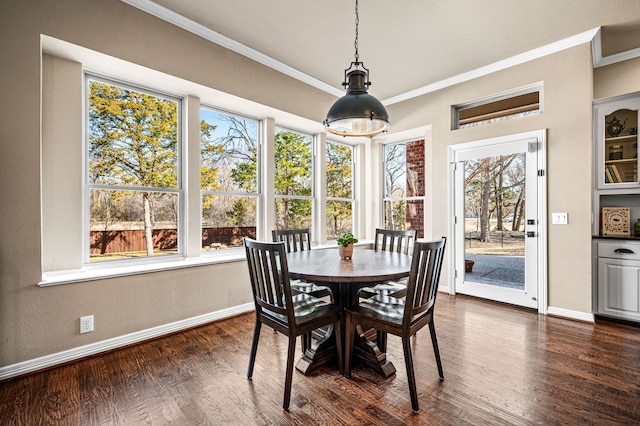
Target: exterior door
{"x": 499, "y": 220}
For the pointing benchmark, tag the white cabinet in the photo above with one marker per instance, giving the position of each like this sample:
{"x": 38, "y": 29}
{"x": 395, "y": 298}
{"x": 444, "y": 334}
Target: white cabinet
{"x": 618, "y": 290}
{"x": 616, "y": 142}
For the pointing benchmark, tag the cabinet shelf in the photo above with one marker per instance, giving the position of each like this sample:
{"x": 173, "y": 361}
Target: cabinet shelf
{"x": 622, "y": 161}
{"x": 619, "y": 139}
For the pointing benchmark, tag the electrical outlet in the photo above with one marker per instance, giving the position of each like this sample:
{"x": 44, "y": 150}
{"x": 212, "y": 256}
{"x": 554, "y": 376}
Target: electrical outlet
{"x": 86, "y": 324}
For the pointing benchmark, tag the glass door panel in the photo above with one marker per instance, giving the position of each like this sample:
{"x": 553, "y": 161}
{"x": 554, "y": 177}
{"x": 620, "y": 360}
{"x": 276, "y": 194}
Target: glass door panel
{"x": 494, "y": 222}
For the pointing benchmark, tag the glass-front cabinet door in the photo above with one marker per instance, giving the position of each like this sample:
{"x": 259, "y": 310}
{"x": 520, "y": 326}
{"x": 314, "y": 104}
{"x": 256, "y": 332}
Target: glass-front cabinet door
{"x": 617, "y": 143}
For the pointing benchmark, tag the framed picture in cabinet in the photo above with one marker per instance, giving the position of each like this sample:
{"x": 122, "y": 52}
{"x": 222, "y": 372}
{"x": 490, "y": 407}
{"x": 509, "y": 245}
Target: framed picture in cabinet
{"x": 616, "y": 221}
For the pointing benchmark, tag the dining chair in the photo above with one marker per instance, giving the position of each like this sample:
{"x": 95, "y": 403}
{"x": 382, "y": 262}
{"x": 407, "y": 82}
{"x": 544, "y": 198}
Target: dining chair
{"x": 300, "y": 240}
{"x": 403, "y": 317}
{"x": 400, "y": 241}
{"x": 278, "y": 308}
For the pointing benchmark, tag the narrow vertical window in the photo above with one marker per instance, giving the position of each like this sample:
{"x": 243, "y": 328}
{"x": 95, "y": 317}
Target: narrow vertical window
{"x": 228, "y": 179}
{"x": 133, "y": 173}
{"x": 403, "y": 201}
{"x": 293, "y": 179}
{"x": 340, "y": 194}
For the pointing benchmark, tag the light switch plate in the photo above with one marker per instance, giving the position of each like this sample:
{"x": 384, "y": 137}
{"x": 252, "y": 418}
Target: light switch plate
{"x": 559, "y": 218}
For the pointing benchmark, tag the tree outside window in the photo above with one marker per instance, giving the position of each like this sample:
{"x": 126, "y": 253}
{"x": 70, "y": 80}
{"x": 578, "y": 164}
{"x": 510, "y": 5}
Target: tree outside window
{"x": 293, "y": 179}
{"x": 228, "y": 179}
{"x": 340, "y": 194}
{"x": 133, "y": 173}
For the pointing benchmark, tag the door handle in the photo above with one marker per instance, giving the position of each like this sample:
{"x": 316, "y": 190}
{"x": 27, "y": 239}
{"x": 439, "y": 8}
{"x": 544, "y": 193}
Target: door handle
{"x": 531, "y": 234}
{"x": 624, "y": 250}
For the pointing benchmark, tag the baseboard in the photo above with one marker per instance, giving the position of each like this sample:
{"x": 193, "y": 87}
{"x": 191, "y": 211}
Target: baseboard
{"x": 567, "y": 313}
{"x": 58, "y": 358}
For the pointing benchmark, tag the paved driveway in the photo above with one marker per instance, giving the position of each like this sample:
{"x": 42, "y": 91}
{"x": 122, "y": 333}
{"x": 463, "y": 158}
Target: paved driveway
{"x": 503, "y": 271}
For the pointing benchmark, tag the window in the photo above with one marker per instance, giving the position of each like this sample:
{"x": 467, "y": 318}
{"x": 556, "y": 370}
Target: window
{"x": 403, "y": 174}
{"x": 228, "y": 179}
{"x": 340, "y": 193}
{"x": 133, "y": 172}
{"x": 293, "y": 185}
{"x": 518, "y": 104}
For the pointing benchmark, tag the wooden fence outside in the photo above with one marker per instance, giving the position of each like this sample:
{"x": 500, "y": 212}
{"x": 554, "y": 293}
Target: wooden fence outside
{"x": 105, "y": 242}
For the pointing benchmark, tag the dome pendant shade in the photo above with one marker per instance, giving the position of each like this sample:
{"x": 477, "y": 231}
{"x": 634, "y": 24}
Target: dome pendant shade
{"x": 357, "y": 113}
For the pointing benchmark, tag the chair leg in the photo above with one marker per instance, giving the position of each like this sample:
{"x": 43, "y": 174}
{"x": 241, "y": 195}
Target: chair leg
{"x": 348, "y": 349}
{"x": 254, "y": 348}
{"x": 338, "y": 333}
{"x": 289, "y": 376}
{"x": 411, "y": 376}
{"x": 436, "y": 351}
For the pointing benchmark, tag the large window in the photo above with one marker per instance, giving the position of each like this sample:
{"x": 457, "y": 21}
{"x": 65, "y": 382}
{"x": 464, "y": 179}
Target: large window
{"x": 228, "y": 179}
{"x": 293, "y": 179}
{"x": 133, "y": 172}
{"x": 403, "y": 201}
{"x": 340, "y": 193}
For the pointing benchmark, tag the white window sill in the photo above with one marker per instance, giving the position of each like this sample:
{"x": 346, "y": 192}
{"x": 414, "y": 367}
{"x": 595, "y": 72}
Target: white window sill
{"x": 94, "y": 272}
{"x": 100, "y": 272}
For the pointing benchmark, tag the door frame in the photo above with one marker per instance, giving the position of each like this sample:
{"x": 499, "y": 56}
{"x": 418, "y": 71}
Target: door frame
{"x": 541, "y": 137}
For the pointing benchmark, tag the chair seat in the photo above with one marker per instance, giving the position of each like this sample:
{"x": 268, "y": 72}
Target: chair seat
{"x": 386, "y": 308}
{"x": 388, "y": 288}
{"x": 304, "y": 287}
{"x": 306, "y": 308}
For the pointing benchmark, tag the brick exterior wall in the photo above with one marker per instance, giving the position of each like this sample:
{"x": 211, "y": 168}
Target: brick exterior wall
{"x": 415, "y": 186}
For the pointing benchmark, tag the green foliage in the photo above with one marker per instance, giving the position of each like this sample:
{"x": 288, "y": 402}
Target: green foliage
{"x": 293, "y": 158}
{"x": 347, "y": 239}
{"x": 209, "y": 150}
{"x": 132, "y": 138}
{"x": 339, "y": 185}
{"x": 237, "y": 215}
{"x": 293, "y": 167}
{"x": 339, "y": 170}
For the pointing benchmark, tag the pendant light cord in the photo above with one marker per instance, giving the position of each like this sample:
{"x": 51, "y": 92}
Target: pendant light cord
{"x": 355, "y": 44}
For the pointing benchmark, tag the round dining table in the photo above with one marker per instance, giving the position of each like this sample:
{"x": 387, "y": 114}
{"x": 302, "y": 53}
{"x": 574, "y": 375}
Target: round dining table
{"x": 345, "y": 277}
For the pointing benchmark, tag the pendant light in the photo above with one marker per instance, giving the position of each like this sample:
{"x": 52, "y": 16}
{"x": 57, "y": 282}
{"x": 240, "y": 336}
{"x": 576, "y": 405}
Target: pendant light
{"x": 357, "y": 113}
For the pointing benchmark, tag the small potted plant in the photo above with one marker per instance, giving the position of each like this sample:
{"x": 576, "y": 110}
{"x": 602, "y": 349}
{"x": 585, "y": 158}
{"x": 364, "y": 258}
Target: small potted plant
{"x": 345, "y": 246}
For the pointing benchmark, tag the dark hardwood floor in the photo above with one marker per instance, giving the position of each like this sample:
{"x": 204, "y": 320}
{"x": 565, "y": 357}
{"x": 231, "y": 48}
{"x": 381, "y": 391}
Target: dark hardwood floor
{"x": 502, "y": 366}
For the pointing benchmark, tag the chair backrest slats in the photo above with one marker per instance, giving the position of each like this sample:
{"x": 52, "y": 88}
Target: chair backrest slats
{"x": 424, "y": 278}
{"x": 400, "y": 241}
{"x": 294, "y": 239}
{"x": 269, "y": 275}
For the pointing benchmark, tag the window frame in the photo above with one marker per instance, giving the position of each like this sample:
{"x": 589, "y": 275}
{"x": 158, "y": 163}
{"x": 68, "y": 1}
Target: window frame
{"x": 313, "y": 227}
{"x": 498, "y": 108}
{"x": 385, "y": 198}
{"x": 88, "y": 186}
{"x": 354, "y": 185}
{"x": 259, "y": 164}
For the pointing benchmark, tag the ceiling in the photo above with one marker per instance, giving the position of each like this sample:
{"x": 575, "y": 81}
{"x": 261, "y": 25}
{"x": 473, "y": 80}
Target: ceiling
{"x": 409, "y": 45}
